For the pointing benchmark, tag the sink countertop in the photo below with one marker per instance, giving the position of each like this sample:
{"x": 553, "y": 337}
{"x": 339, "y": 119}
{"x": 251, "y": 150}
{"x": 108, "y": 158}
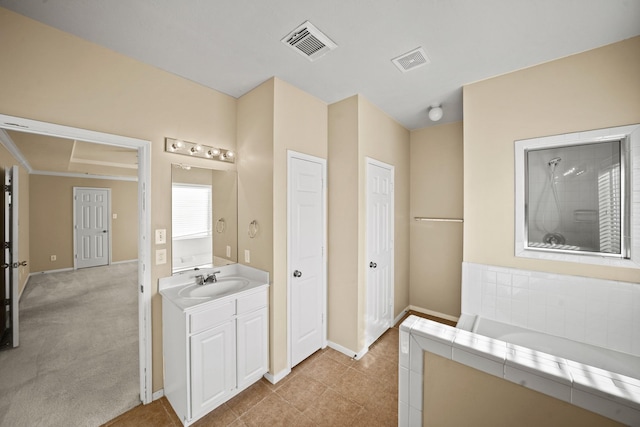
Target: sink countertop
{"x": 170, "y": 287}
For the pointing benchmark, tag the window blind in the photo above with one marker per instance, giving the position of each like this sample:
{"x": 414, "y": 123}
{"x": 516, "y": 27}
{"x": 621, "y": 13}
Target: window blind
{"x": 191, "y": 211}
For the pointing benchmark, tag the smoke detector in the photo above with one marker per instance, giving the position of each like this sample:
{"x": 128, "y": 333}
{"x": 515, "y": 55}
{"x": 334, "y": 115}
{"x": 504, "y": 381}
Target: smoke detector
{"x": 411, "y": 60}
{"x": 309, "y": 41}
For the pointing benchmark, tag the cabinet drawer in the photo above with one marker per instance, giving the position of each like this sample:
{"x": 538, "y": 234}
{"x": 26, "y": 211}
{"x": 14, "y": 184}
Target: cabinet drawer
{"x": 253, "y": 302}
{"x": 212, "y": 316}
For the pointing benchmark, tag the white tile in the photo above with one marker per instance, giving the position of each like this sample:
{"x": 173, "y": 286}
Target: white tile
{"x": 480, "y": 363}
{"x": 520, "y": 281}
{"x": 503, "y": 279}
{"x": 503, "y": 310}
{"x": 403, "y": 414}
{"x": 489, "y": 277}
{"x": 615, "y": 411}
{"x": 430, "y": 345}
{"x": 538, "y": 383}
{"x": 403, "y": 353}
{"x": 403, "y": 385}
{"x": 416, "y": 355}
{"x": 415, "y": 389}
{"x": 415, "y": 417}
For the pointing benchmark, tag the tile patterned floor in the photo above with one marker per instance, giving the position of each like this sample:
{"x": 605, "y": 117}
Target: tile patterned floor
{"x": 327, "y": 389}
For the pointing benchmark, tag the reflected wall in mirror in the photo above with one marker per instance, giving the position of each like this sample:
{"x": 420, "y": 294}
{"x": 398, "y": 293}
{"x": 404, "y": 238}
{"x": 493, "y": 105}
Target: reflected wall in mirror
{"x": 204, "y": 217}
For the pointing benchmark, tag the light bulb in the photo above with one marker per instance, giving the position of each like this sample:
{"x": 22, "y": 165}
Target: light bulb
{"x": 435, "y": 113}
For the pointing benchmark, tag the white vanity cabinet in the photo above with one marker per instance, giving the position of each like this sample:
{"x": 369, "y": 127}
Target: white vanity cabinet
{"x": 214, "y": 350}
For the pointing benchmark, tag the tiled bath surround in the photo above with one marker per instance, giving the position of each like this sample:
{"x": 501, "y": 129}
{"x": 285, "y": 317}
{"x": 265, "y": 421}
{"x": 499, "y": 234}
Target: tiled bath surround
{"x": 612, "y": 395}
{"x": 604, "y": 313}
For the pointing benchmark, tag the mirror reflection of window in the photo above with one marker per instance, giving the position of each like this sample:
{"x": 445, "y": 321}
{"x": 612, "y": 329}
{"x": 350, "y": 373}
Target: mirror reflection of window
{"x": 575, "y": 198}
{"x": 191, "y": 226}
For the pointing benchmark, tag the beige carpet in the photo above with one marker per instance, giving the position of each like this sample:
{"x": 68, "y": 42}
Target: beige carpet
{"x": 77, "y": 363}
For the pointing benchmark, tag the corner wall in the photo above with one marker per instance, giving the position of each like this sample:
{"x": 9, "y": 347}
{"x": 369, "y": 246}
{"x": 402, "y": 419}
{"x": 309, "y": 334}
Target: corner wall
{"x": 591, "y": 90}
{"x": 358, "y": 129}
{"x": 436, "y": 192}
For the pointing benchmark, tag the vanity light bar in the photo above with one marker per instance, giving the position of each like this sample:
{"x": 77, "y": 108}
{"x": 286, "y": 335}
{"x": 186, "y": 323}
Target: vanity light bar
{"x": 179, "y": 146}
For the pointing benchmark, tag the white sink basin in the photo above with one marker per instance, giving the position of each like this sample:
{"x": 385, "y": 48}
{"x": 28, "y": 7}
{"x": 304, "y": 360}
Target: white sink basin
{"x": 222, "y": 287}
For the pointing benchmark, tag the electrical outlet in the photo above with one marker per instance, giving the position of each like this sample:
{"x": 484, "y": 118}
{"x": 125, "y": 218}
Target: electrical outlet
{"x": 247, "y": 256}
{"x": 115, "y": 216}
{"x": 161, "y": 256}
{"x": 161, "y": 236}
{"x": 53, "y": 257}
{"x": 228, "y": 251}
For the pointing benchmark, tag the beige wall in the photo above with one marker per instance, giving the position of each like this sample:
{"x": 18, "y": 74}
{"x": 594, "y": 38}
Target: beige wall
{"x": 300, "y": 124}
{"x": 591, "y": 90}
{"x": 436, "y": 192}
{"x": 273, "y": 118}
{"x": 51, "y": 220}
{"x": 6, "y": 162}
{"x": 358, "y": 129}
{"x": 343, "y": 304}
{"x": 457, "y": 395}
{"x": 52, "y": 76}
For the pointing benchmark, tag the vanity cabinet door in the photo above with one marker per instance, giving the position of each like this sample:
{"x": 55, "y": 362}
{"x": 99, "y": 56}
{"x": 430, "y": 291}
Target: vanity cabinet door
{"x": 252, "y": 347}
{"x": 213, "y": 367}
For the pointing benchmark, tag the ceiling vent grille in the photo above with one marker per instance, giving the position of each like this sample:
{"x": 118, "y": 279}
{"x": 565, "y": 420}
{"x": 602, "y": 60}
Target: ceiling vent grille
{"x": 411, "y": 60}
{"x": 309, "y": 42}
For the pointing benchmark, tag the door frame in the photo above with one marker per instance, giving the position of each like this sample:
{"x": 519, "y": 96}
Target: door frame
{"x": 144, "y": 222}
{"x": 75, "y": 223}
{"x": 369, "y": 161}
{"x": 323, "y": 163}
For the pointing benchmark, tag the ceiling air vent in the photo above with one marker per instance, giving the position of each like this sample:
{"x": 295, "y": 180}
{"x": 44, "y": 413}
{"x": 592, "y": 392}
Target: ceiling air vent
{"x": 411, "y": 60}
{"x": 309, "y": 42}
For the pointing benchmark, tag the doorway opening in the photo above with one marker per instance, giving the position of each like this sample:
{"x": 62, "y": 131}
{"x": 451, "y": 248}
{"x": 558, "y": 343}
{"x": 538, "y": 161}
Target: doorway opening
{"x": 143, "y": 150}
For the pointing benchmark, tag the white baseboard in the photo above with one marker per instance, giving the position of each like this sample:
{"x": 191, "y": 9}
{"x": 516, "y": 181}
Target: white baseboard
{"x": 126, "y": 261}
{"x": 401, "y": 315}
{"x": 273, "y": 379}
{"x": 352, "y": 354}
{"x": 434, "y": 313}
{"x": 51, "y": 271}
{"x": 157, "y": 394}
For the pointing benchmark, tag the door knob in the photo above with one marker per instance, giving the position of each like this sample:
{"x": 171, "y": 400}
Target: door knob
{"x": 104, "y": 231}
{"x": 297, "y": 273}
{"x": 372, "y": 264}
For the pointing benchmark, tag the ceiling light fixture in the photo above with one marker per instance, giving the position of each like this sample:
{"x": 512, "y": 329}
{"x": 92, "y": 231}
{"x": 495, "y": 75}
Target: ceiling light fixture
{"x": 192, "y": 149}
{"x": 435, "y": 113}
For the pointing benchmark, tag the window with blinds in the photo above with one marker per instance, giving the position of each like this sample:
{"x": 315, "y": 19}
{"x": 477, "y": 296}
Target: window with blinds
{"x": 191, "y": 211}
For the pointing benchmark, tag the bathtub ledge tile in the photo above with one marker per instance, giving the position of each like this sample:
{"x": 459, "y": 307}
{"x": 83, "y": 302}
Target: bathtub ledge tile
{"x": 475, "y": 361}
{"x": 538, "y": 363}
{"x": 539, "y": 383}
{"x": 613, "y": 387}
{"x": 480, "y": 345}
{"x": 615, "y": 411}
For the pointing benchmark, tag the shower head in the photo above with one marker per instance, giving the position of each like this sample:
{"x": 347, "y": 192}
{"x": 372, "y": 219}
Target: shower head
{"x": 554, "y": 162}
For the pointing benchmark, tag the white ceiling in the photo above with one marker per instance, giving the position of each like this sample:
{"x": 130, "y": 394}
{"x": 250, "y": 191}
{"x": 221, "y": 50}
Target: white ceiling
{"x": 234, "y": 45}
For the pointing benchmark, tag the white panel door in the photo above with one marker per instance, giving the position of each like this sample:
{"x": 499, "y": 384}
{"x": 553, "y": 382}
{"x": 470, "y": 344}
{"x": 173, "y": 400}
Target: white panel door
{"x": 306, "y": 256}
{"x": 92, "y": 220}
{"x": 380, "y": 231}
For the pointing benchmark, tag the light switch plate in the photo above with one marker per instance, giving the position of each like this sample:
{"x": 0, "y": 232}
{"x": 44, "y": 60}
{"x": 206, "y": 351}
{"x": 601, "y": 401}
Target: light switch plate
{"x": 161, "y": 256}
{"x": 161, "y": 236}
{"x": 247, "y": 256}
{"x": 228, "y": 251}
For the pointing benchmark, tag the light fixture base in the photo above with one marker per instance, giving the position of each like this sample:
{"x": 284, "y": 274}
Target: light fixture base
{"x": 186, "y": 148}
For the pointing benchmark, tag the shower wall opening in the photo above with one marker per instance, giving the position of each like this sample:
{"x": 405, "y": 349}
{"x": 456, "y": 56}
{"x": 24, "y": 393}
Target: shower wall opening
{"x": 576, "y": 198}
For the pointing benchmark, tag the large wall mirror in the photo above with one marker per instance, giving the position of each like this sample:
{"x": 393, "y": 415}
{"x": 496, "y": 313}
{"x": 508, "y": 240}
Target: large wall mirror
{"x": 576, "y": 196}
{"x": 204, "y": 217}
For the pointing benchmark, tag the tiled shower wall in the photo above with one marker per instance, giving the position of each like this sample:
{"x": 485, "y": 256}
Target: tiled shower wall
{"x": 605, "y": 313}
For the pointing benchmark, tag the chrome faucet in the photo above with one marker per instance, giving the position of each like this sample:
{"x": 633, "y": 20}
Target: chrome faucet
{"x": 199, "y": 280}
{"x": 211, "y": 278}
